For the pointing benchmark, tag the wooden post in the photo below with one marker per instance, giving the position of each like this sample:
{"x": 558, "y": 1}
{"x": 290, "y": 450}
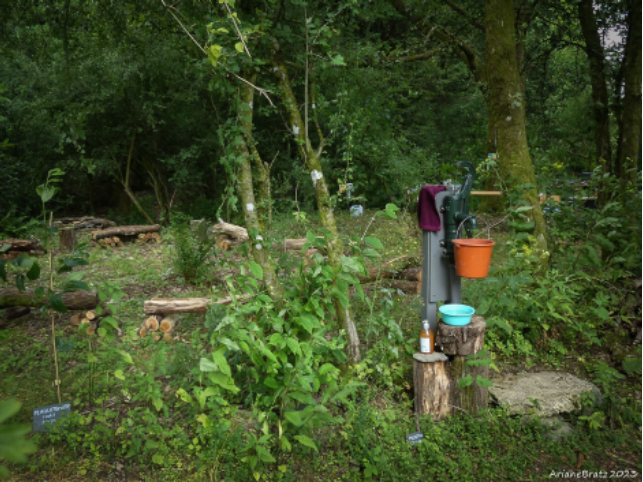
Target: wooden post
{"x": 67, "y": 239}
{"x": 432, "y": 385}
{"x": 459, "y": 342}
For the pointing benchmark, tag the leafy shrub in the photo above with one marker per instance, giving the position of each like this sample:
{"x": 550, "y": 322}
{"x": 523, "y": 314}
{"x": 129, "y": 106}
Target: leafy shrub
{"x": 192, "y": 249}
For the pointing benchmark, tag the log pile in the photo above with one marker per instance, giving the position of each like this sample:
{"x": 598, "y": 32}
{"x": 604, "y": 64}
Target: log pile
{"x": 90, "y": 320}
{"x": 113, "y": 241}
{"x": 160, "y": 327}
{"x": 146, "y": 237}
{"x": 20, "y": 246}
{"x": 116, "y": 236}
{"x": 85, "y": 222}
{"x": 168, "y": 306}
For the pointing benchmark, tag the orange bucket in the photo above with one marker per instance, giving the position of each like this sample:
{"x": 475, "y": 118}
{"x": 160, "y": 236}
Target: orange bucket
{"x": 473, "y": 257}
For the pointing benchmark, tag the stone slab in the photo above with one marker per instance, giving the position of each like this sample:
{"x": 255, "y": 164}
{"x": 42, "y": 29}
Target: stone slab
{"x": 432, "y": 358}
{"x": 554, "y": 392}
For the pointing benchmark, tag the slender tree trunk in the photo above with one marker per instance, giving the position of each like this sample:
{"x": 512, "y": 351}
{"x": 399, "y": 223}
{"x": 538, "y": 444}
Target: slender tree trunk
{"x": 262, "y": 181}
{"x": 126, "y": 179}
{"x": 600, "y": 96}
{"x": 245, "y": 188}
{"x": 322, "y": 195}
{"x": 630, "y": 126}
{"x": 506, "y": 106}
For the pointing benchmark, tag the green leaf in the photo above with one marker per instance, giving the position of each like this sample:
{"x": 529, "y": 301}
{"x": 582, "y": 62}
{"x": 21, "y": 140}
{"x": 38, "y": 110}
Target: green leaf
{"x": 307, "y": 441}
{"x": 34, "y": 272}
{"x": 8, "y": 409}
{"x": 46, "y": 192}
{"x": 343, "y": 299}
{"x": 325, "y": 368}
{"x": 57, "y": 303}
{"x": 285, "y": 444}
{"x": 294, "y": 346}
{"x": 296, "y": 418}
{"x": 3, "y": 270}
{"x": 5, "y": 247}
{"x": 371, "y": 254}
{"x": 219, "y": 358}
{"x": 220, "y": 379}
{"x": 126, "y": 356}
{"x": 23, "y": 261}
{"x": 338, "y": 60}
{"x": 483, "y": 382}
{"x": 271, "y": 383}
{"x": 264, "y": 455}
{"x": 465, "y": 382}
{"x": 206, "y": 365}
{"x": 239, "y": 47}
{"x": 376, "y": 243}
{"x": 20, "y": 282}
{"x": 256, "y": 269}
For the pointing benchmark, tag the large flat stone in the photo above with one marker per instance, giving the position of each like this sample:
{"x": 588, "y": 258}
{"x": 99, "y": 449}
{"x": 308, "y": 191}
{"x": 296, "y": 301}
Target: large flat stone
{"x": 554, "y": 392}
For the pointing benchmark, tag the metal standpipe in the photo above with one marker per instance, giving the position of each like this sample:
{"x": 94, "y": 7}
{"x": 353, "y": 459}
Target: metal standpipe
{"x": 440, "y": 281}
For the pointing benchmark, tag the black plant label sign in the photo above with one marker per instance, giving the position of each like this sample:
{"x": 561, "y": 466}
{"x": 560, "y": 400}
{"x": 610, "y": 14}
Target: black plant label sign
{"x": 43, "y": 416}
{"x": 415, "y": 437}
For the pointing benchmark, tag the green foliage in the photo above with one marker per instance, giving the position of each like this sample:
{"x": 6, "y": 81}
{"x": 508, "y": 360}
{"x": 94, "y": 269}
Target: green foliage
{"x": 193, "y": 249}
{"x": 13, "y": 445}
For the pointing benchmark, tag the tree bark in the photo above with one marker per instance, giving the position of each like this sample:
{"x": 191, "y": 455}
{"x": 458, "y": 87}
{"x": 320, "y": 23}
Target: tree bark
{"x": 432, "y": 385}
{"x": 126, "y": 184}
{"x": 322, "y": 195}
{"x": 600, "y": 98}
{"x": 77, "y": 300}
{"x": 245, "y": 188}
{"x": 168, "y": 306}
{"x": 506, "y": 106}
{"x": 627, "y": 154}
{"x": 68, "y": 239}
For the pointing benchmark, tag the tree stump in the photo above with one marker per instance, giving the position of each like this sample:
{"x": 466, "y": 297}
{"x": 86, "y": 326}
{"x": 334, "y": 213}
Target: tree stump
{"x": 460, "y": 342}
{"x": 432, "y": 385}
{"x": 67, "y": 239}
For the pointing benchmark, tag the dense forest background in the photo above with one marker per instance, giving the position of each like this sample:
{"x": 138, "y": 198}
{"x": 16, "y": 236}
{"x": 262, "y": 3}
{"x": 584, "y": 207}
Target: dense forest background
{"x": 137, "y": 100}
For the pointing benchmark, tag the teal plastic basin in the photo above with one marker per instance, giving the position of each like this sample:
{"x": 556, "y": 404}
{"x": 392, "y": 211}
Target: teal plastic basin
{"x": 457, "y": 315}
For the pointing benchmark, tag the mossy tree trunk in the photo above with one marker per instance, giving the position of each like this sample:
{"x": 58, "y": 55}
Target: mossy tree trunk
{"x": 311, "y": 159}
{"x": 246, "y": 193}
{"x": 600, "y": 97}
{"x": 627, "y": 154}
{"x": 506, "y": 106}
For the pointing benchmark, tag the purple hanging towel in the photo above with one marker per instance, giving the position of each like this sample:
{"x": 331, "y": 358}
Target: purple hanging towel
{"x": 428, "y": 216}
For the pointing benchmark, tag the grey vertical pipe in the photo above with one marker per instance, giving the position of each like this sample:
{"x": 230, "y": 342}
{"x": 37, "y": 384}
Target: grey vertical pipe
{"x": 439, "y": 279}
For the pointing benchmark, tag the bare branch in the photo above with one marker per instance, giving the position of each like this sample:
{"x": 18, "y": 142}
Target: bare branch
{"x": 237, "y": 28}
{"x": 462, "y": 12}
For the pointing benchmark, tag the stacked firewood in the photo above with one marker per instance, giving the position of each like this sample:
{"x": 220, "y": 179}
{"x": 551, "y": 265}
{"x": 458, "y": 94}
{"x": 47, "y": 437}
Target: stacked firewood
{"x": 161, "y": 327}
{"x": 90, "y": 318}
{"x": 113, "y": 241}
{"x": 146, "y": 237}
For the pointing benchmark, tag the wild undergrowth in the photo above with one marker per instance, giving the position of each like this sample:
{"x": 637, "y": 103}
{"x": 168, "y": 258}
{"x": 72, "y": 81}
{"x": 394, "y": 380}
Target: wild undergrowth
{"x": 263, "y": 391}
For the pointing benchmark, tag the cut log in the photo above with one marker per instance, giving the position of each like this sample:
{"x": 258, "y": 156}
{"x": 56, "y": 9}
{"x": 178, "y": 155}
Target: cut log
{"x": 84, "y": 321}
{"x": 167, "y": 324}
{"x": 67, "y": 239}
{"x": 77, "y": 300}
{"x": 14, "y": 313}
{"x": 461, "y": 340}
{"x": 91, "y": 315}
{"x": 85, "y": 222}
{"x": 75, "y": 319}
{"x": 168, "y": 306}
{"x": 432, "y": 385}
{"x": 237, "y": 232}
{"x": 19, "y": 246}
{"x": 125, "y": 231}
{"x": 142, "y": 331}
{"x": 151, "y": 323}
